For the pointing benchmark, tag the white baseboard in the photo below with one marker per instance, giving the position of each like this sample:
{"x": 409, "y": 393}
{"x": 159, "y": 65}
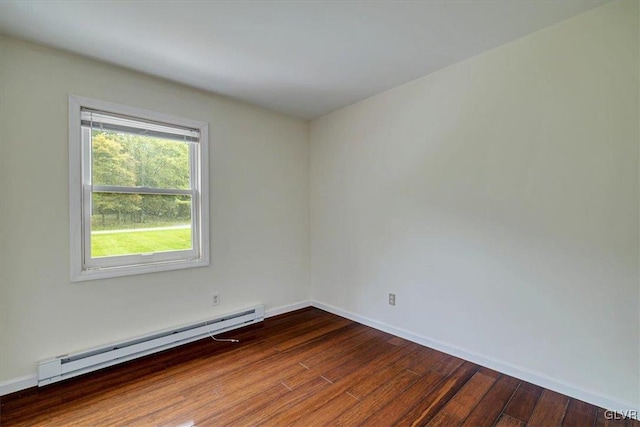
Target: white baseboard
{"x": 17, "y": 384}
{"x": 536, "y": 378}
{"x": 542, "y": 380}
{"x": 287, "y": 308}
{"x": 28, "y": 381}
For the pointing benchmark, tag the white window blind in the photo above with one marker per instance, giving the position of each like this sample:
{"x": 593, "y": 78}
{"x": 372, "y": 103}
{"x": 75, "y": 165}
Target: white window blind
{"x": 118, "y": 123}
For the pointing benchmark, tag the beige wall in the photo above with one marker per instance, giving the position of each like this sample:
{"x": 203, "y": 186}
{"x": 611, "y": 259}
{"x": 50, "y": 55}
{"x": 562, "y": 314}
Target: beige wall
{"x": 498, "y": 198}
{"x": 259, "y": 211}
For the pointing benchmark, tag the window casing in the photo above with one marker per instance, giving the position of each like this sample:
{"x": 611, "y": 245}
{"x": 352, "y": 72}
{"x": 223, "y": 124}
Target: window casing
{"x": 138, "y": 190}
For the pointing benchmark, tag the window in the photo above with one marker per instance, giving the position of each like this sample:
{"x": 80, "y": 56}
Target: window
{"x": 138, "y": 190}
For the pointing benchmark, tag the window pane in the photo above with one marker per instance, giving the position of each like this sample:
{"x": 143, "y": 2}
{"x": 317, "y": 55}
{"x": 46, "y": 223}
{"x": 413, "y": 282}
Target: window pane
{"x": 127, "y": 224}
{"x": 127, "y": 160}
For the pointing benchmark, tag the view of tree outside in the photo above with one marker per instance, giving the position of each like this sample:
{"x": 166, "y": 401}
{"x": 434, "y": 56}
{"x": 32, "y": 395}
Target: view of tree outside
{"x": 128, "y": 223}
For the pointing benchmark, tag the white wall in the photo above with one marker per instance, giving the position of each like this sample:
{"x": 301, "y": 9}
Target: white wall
{"x": 498, "y": 198}
{"x": 259, "y": 211}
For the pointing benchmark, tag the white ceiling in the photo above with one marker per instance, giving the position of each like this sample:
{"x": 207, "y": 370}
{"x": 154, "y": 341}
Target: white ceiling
{"x": 304, "y": 58}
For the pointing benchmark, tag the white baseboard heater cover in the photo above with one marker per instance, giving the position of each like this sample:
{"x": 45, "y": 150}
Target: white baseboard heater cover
{"x": 71, "y": 365}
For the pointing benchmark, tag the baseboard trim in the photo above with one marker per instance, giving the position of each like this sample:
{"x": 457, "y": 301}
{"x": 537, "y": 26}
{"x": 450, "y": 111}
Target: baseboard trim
{"x": 28, "y": 381}
{"x": 287, "y": 308}
{"x": 542, "y": 380}
{"x": 18, "y": 384}
{"x": 533, "y": 377}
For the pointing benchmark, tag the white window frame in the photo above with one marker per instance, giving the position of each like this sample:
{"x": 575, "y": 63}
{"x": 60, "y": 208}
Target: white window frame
{"x": 83, "y": 267}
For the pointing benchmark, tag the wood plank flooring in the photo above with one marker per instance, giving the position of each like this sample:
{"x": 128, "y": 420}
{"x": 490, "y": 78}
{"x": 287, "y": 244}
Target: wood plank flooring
{"x": 306, "y": 368}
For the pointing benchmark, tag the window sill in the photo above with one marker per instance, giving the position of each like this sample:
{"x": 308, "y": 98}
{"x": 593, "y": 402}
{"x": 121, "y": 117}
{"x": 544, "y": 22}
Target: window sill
{"x": 109, "y": 272}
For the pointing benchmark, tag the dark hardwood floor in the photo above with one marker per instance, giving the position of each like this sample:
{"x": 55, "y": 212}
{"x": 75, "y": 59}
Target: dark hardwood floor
{"x": 307, "y": 368}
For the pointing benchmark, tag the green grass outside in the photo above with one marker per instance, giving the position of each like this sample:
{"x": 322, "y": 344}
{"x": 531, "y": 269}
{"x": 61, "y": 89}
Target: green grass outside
{"x": 110, "y": 244}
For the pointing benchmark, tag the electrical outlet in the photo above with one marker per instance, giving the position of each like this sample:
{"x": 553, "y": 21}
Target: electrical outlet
{"x": 392, "y": 299}
{"x": 215, "y": 300}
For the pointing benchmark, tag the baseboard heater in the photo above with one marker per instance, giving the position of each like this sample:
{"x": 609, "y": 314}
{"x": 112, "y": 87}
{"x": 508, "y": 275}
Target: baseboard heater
{"x": 71, "y": 365}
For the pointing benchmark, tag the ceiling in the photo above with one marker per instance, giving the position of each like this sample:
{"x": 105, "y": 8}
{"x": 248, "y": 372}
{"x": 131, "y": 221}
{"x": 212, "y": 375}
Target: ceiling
{"x": 304, "y": 58}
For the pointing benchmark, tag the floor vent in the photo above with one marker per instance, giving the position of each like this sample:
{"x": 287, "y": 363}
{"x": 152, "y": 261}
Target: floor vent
{"x": 71, "y": 365}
